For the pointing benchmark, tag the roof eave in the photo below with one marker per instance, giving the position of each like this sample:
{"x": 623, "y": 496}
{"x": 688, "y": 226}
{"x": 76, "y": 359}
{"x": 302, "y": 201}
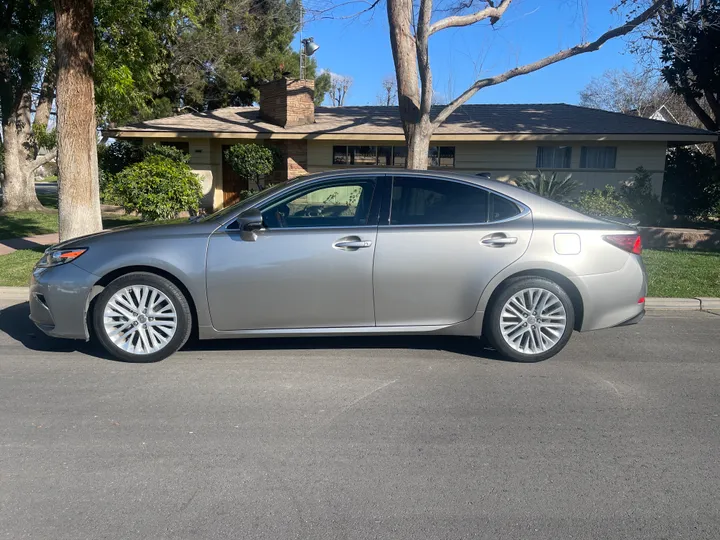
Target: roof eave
{"x": 670, "y": 138}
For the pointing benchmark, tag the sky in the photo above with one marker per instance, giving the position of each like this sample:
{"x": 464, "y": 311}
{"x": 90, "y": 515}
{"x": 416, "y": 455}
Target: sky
{"x": 529, "y": 30}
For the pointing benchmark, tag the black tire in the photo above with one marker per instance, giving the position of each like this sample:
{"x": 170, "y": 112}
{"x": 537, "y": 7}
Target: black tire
{"x": 173, "y": 294}
{"x": 493, "y": 317}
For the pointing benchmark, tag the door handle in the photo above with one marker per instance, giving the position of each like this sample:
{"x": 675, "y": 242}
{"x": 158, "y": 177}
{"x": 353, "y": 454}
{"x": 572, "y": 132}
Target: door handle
{"x": 352, "y": 244}
{"x": 499, "y": 241}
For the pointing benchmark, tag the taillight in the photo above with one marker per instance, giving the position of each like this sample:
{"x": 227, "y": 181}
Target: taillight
{"x": 627, "y": 242}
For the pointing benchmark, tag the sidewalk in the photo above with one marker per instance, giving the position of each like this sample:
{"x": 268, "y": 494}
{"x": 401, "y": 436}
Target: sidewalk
{"x": 13, "y": 244}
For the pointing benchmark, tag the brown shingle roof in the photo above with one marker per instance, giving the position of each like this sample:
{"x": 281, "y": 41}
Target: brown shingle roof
{"x": 549, "y": 119}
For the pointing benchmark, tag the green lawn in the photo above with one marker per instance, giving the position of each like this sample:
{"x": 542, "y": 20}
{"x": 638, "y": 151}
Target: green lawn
{"x": 682, "y": 274}
{"x": 15, "y": 268}
{"x": 21, "y": 224}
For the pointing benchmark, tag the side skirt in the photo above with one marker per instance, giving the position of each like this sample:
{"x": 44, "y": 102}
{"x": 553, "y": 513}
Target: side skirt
{"x": 470, "y": 327}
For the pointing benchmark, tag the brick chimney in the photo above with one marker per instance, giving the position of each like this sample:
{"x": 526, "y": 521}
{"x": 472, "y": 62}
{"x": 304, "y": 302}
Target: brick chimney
{"x": 288, "y": 102}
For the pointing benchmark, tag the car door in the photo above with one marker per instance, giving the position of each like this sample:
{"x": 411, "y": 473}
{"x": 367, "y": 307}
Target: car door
{"x": 439, "y": 244}
{"x": 309, "y": 266}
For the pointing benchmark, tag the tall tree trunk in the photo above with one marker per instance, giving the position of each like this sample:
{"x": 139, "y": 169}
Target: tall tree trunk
{"x": 79, "y": 192}
{"x": 18, "y": 183}
{"x": 417, "y": 133}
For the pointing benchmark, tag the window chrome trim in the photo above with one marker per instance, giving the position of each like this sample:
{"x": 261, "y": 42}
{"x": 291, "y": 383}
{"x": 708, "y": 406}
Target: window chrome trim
{"x": 524, "y": 209}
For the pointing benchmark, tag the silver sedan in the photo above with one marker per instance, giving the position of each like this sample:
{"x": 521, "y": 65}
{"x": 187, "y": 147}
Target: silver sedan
{"x": 353, "y": 252}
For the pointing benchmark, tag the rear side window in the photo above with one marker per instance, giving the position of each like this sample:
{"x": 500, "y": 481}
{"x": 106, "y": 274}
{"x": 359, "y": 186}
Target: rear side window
{"x": 502, "y": 208}
{"x": 430, "y": 201}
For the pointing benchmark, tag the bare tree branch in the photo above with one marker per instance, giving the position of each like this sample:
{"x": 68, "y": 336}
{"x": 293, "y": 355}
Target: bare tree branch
{"x": 423, "y": 54}
{"x": 42, "y": 160}
{"x": 490, "y": 12}
{"x": 702, "y": 115}
{"x": 549, "y": 60}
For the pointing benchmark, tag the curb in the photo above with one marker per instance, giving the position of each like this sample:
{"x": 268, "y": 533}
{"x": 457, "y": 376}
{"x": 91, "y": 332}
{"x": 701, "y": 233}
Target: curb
{"x": 14, "y": 293}
{"x": 683, "y": 304}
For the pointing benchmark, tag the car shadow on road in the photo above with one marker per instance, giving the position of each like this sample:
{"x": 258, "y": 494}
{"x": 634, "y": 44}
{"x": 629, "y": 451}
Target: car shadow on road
{"x": 15, "y": 322}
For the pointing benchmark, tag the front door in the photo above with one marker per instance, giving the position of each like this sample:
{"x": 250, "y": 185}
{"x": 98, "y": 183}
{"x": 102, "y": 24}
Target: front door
{"x": 310, "y": 266}
{"x": 443, "y": 242}
{"x": 233, "y": 185}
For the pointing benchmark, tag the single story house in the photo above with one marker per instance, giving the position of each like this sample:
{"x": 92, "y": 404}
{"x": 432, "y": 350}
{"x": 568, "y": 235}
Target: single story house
{"x": 597, "y": 147}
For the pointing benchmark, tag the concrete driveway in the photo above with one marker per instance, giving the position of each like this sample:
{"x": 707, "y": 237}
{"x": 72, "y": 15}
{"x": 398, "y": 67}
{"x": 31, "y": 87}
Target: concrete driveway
{"x": 617, "y": 437}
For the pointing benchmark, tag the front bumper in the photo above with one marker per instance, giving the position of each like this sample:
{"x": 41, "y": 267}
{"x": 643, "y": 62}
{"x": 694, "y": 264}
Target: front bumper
{"x": 59, "y": 299}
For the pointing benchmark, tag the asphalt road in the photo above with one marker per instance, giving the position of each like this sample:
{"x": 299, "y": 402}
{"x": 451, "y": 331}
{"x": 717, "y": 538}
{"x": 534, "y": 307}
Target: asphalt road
{"x": 617, "y": 437}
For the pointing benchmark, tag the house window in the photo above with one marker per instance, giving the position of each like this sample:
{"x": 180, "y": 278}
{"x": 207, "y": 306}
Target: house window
{"x": 399, "y": 156}
{"x": 384, "y": 156}
{"x": 598, "y": 157}
{"x": 553, "y": 157}
{"x": 441, "y": 156}
{"x": 340, "y": 155}
{"x": 389, "y": 156}
{"x": 363, "y": 155}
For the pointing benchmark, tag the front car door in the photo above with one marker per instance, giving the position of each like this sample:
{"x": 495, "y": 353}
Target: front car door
{"x": 439, "y": 245}
{"x": 310, "y": 266}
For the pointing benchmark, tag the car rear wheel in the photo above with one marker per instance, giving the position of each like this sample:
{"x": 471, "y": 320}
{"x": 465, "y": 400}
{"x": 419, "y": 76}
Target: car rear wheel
{"x": 531, "y": 319}
{"x": 142, "y": 317}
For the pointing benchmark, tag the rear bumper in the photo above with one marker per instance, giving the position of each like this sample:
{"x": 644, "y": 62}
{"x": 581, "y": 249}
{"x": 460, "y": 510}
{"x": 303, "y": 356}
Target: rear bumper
{"x": 59, "y": 300}
{"x": 636, "y": 319}
{"x": 612, "y": 299}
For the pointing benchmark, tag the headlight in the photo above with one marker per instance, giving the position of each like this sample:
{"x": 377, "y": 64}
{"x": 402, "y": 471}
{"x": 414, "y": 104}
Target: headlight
{"x": 56, "y": 257}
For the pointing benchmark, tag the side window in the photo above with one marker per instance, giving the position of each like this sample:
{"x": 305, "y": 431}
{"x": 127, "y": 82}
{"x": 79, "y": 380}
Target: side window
{"x": 345, "y": 204}
{"x": 430, "y": 201}
{"x": 502, "y": 208}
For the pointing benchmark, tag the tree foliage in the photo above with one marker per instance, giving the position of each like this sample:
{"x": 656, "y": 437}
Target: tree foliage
{"x": 252, "y": 161}
{"x": 323, "y": 83}
{"x": 156, "y": 188}
{"x": 691, "y": 187}
{"x": 689, "y": 38}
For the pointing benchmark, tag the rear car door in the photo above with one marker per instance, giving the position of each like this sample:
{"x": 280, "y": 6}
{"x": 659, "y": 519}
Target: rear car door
{"x": 310, "y": 266}
{"x": 439, "y": 244}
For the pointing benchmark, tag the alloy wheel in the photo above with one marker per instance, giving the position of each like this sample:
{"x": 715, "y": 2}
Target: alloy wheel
{"x": 533, "y": 321}
{"x": 140, "y": 319}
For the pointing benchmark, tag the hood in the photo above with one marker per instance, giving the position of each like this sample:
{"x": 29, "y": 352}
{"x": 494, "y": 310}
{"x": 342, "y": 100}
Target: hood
{"x": 141, "y": 231}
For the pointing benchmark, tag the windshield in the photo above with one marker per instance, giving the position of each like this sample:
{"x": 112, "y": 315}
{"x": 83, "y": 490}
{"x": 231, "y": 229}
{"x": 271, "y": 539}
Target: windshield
{"x": 247, "y": 202}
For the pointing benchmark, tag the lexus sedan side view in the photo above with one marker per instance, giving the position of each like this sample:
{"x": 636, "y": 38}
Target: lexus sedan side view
{"x": 346, "y": 253}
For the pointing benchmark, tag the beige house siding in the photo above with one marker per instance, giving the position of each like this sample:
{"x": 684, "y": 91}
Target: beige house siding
{"x": 503, "y": 160}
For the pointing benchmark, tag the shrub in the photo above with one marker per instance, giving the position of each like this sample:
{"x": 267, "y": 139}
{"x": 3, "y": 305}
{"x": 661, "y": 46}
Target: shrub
{"x": 603, "y": 203}
{"x": 691, "y": 186}
{"x": 252, "y": 161}
{"x": 113, "y": 158}
{"x": 550, "y": 186}
{"x": 166, "y": 151}
{"x": 156, "y": 188}
{"x": 636, "y": 191}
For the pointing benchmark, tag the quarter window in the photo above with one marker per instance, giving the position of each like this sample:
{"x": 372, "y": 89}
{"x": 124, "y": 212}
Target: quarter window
{"x": 344, "y": 204}
{"x": 429, "y": 201}
{"x": 553, "y": 157}
{"x": 598, "y": 157}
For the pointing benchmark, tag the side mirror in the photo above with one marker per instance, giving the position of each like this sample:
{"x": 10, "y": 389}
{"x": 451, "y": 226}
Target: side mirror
{"x": 250, "y": 221}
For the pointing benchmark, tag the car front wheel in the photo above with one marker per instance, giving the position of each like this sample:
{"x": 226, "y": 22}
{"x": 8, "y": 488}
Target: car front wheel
{"x": 142, "y": 317}
{"x": 531, "y": 319}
